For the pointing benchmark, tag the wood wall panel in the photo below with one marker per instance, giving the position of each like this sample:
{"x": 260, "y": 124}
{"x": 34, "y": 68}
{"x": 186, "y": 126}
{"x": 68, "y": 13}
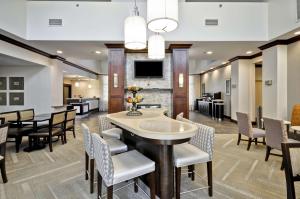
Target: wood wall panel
{"x": 180, "y": 95}
{"x": 116, "y": 64}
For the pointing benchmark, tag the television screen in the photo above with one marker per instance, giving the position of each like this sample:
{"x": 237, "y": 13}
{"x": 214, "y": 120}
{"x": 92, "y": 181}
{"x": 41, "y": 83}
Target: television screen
{"x": 148, "y": 69}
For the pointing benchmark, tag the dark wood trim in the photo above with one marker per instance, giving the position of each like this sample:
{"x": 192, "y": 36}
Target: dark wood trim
{"x": 120, "y": 45}
{"x": 280, "y": 42}
{"x": 179, "y": 46}
{"x": 43, "y": 53}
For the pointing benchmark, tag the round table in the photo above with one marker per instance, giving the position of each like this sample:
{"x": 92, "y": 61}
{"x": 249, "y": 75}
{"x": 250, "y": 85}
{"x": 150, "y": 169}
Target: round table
{"x": 295, "y": 128}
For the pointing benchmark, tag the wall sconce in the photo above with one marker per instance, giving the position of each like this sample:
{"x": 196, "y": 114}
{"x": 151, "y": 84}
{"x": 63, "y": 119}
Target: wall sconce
{"x": 181, "y": 80}
{"x": 77, "y": 84}
{"x": 116, "y": 81}
{"x": 268, "y": 82}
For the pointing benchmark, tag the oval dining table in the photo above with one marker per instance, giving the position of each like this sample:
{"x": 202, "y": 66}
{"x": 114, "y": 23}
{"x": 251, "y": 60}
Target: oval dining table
{"x": 154, "y": 135}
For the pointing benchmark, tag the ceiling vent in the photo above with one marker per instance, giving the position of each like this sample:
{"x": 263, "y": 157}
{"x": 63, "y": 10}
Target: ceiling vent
{"x": 211, "y": 22}
{"x": 55, "y": 22}
{"x": 298, "y": 10}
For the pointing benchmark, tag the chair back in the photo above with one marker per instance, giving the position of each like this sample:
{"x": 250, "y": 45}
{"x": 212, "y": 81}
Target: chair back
{"x": 291, "y": 158}
{"x": 10, "y": 116}
{"x": 295, "y": 120}
{"x": 3, "y": 138}
{"x": 179, "y": 116}
{"x": 275, "y": 133}
{"x": 26, "y": 115}
{"x": 104, "y": 124}
{"x": 103, "y": 159}
{"x": 244, "y": 124}
{"x": 87, "y": 140}
{"x": 58, "y": 118}
{"x": 70, "y": 118}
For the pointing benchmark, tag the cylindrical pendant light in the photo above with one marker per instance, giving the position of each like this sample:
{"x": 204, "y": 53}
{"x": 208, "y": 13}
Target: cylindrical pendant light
{"x": 135, "y": 31}
{"x": 156, "y": 47}
{"x": 162, "y": 15}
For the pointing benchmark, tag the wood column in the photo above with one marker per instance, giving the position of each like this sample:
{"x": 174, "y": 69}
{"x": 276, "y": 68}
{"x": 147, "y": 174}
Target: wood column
{"x": 116, "y": 70}
{"x": 180, "y": 64}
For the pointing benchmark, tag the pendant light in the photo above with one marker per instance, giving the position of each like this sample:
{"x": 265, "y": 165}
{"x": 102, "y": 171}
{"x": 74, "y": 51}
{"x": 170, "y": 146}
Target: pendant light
{"x": 156, "y": 47}
{"x": 135, "y": 31}
{"x": 162, "y": 15}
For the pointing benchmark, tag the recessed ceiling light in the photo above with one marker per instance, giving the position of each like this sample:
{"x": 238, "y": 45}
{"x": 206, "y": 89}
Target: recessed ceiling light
{"x": 59, "y": 52}
{"x": 297, "y": 33}
{"x": 211, "y": 68}
{"x": 249, "y": 52}
{"x": 208, "y": 52}
{"x": 64, "y": 71}
{"x": 98, "y": 52}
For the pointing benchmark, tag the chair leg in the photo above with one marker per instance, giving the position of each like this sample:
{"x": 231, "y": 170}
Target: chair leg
{"x": 178, "y": 179}
{"x": 18, "y": 143}
{"x": 255, "y": 141}
{"x": 268, "y": 151}
{"x": 151, "y": 177}
{"x": 136, "y": 188}
{"x": 99, "y": 184}
{"x": 239, "y": 139}
{"x": 62, "y": 138}
{"x": 50, "y": 143}
{"x": 282, "y": 165}
{"x": 110, "y": 192}
{"x": 189, "y": 171}
{"x": 65, "y": 136}
{"x": 264, "y": 141}
{"x": 3, "y": 171}
{"x": 192, "y": 172}
{"x": 92, "y": 163}
{"x": 74, "y": 135}
{"x": 209, "y": 178}
{"x": 86, "y": 166}
{"x": 249, "y": 144}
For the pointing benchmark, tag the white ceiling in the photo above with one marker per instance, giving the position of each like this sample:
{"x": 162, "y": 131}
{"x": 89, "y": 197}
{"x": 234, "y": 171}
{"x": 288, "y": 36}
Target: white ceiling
{"x": 12, "y": 61}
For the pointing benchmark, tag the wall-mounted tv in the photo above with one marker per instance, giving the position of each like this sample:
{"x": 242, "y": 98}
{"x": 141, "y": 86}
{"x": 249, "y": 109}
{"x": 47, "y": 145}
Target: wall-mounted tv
{"x": 148, "y": 69}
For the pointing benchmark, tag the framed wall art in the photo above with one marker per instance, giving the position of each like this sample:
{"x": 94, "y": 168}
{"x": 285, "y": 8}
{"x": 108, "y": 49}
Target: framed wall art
{"x": 3, "y": 83}
{"x": 3, "y": 99}
{"x": 16, "y": 99}
{"x": 16, "y": 83}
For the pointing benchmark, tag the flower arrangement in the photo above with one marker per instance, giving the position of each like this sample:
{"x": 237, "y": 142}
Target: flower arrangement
{"x": 134, "y": 100}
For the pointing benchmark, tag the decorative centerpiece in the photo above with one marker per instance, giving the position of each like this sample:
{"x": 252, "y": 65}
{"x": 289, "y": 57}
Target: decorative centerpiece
{"x": 134, "y": 100}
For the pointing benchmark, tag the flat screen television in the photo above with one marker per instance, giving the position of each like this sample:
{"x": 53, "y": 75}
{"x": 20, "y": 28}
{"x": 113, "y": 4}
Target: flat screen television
{"x": 148, "y": 69}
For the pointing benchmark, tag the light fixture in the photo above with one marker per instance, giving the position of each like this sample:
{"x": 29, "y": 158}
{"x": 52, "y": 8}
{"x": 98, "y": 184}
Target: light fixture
{"x": 135, "y": 31}
{"x": 297, "y": 33}
{"x": 180, "y": 80}
{"x": 89, "y": 86}
{"x": 59, "y": 52}
{"x": 225, "y": 62}
{"x": 249, "y": 52}
{"x": 156, "y": 47}
{"x": 162, "y": 15}
{"x": 77, "y": 84}
{"x": 98, "y": 52}
{"x": 115, "y": 80}
{"x": 211, "y": 68}
{"x": 208, "y": 52}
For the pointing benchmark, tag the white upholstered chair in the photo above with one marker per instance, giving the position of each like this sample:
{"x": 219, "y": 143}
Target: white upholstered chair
{"x": 3, "y": 137}
{"x": 120, "y": 168}
{"x": 116, "y": 146}
{"x": 246, "y": 129}
{"x": 107, "y": 130}
{"x": 198, "y": 150}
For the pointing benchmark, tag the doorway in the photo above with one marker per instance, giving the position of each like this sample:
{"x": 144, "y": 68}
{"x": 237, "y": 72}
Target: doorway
{"x": 258, "y": 92}
{"x": 67, "y": 92}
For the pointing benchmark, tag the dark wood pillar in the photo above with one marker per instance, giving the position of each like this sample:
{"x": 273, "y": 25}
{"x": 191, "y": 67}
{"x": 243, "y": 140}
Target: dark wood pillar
{"x": 180, "y": 64}
{"x": 116, "y": 77}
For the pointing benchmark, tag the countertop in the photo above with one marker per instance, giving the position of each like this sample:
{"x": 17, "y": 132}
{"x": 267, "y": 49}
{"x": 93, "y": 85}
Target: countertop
{"x": 153, "y": 124}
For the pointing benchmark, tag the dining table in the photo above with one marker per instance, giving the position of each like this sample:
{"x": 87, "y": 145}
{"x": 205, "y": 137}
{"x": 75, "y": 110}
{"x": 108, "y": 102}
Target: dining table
{"x": 154, "y": 135}
{"x": 295, "y": 128}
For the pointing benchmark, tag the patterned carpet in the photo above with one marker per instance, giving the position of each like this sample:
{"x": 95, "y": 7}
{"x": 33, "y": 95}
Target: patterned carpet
{"x": 237, "y": 173}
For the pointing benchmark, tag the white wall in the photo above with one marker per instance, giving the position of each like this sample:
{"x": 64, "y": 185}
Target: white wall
{"x": 215, "y": 82}
{"x": 13, "y": 16}
{"x": 37, "y": 86}
{"x": 194, "y": 89}
{"x": 293, "y": 77}
{"x": 104, "y": 21}
{"x": 282, "y": 17}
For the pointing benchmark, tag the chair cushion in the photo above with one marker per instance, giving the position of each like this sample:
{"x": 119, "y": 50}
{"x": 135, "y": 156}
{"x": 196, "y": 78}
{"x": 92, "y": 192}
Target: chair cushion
{"x": 116, "y": 146}
{"x": 187, "y": 154}
{"x": 1, "y": 157}
{"x": 112, "y": 133}
{"x": 258, "y": 133}
{"x": 130, "y": 165}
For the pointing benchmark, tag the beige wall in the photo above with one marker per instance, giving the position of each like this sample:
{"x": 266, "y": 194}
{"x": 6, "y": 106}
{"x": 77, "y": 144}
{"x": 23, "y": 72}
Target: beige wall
{"x": 83, "y": 89}
{"x": 194, "y": 89}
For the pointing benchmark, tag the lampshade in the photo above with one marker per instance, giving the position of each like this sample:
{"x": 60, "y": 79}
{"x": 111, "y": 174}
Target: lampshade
{"x": 135, "y": 32}
{"x": 156, "y": 47}
{"x": 162, "y": 15}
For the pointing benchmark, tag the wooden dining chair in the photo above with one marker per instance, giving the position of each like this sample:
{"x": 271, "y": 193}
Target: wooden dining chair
{"x": 3, "y": 138}
{"x": 70, "y": 123}
{"x": 291, "y": 159}
{"x": 56, "y": 128}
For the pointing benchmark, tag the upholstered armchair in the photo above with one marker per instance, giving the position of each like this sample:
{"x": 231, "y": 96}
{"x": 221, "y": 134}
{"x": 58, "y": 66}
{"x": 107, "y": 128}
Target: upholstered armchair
{"x": 291, "y": 157}
{"x": 3, "y": 137}
{"x": 198, "y": 150}
{"x": 295, "y": 119}
{"x": 246, "y": 129}
{"x": 107, "y": 130}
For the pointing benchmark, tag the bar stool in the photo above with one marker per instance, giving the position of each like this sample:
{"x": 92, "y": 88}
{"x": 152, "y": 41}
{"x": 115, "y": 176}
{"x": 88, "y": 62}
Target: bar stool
{"x": 198, "y": 150}
{"x": 120, "y": 168}
{"x": 116, "y": 146}
{"x": 107, "y": 130}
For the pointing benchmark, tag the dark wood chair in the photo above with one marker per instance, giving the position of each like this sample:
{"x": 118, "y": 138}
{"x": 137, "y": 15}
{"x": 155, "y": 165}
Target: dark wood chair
{"x": 16, "y": 131}
{"x": 3, "y": 138}
{"x": 56, "y": 128}
{"x": 291, "y": 158}
{"x": 70, "y": 123}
